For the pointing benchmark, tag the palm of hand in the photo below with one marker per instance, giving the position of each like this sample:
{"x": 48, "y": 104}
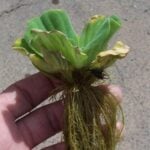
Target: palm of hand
{"x": 25, "y": 132}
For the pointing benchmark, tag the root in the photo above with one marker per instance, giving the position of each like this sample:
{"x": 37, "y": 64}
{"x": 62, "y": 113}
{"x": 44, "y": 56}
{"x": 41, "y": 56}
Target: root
{"x": 90, "y": 119}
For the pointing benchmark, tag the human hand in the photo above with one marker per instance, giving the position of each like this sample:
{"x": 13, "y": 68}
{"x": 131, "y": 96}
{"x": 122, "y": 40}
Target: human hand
{"x": 25, "y": 132}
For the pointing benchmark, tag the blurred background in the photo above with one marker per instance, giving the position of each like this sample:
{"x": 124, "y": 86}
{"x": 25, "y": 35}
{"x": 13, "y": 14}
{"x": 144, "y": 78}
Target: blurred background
{"x": 131, "y": 73}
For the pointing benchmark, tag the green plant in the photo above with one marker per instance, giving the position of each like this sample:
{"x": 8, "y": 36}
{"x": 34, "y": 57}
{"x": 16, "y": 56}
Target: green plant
{"x": 79, "y": 61}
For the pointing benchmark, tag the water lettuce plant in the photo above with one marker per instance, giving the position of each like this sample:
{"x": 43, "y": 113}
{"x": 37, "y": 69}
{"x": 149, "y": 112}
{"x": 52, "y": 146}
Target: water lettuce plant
{"x": 55, "y": 49}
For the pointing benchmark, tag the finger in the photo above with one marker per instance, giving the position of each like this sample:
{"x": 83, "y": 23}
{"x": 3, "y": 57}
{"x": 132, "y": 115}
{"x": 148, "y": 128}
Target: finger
{"x": 59, "y": 146}
{"x": 42, "y": 123}
{"x": 114, "y": 90}
{"x": 24, "y": 95}
{"x": 119, "y": 129}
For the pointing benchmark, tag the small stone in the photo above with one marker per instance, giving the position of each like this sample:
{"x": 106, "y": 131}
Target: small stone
{"x": 125, "y": 19}
{"x": 146, "y": 10}
{"x": 55, "y": 1}
{"x": 148, "y": 32}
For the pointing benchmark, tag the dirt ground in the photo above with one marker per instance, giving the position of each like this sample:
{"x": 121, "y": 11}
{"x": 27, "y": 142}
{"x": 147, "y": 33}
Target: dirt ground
{"x": 132, "y": 73}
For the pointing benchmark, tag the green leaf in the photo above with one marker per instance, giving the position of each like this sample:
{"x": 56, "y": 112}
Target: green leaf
{"x": 91, "y": 30}
{"x": 97, "y": 33}
{"x": 34, "y": 23}
{"x": 59, "y": 20}
{"x": 52, "y": 20}
{"x": 24, "y": 44}
{"x": 55, "y": 41}
{"x": 48, "y": 21}
{"x": 25, "y": 48}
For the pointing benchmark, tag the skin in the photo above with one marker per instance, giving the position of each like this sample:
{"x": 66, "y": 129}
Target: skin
{"x": 26, "y": 132}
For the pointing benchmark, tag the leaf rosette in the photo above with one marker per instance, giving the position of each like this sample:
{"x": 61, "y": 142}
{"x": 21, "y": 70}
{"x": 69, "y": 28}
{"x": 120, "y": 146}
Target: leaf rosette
{"x": 54, "y": 47}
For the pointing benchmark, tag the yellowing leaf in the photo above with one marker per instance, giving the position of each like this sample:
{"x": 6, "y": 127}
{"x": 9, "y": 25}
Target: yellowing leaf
{"x": 106, "y": 58}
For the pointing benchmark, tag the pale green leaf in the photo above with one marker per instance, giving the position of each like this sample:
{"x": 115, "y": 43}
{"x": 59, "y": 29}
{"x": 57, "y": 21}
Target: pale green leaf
{"x": 56, "y": 41}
